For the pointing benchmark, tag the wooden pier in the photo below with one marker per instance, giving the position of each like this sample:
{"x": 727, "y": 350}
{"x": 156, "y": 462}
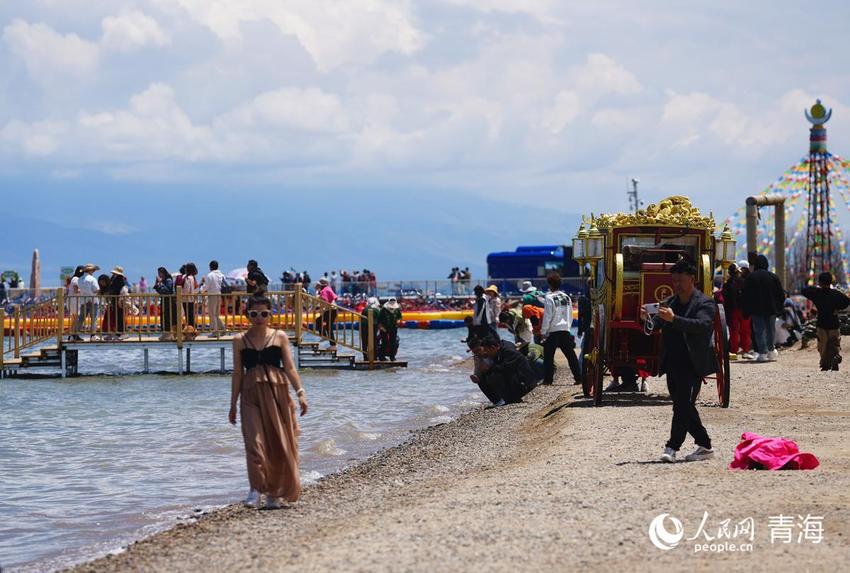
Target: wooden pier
{"x": 46, "y": 336}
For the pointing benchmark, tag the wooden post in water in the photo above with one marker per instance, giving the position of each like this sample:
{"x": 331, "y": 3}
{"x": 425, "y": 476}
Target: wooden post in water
{"x": 222, "y": 359}
{"x": 2, "y": 336}
{"x": 179, "y": 298}
{"x": 298, "y": 314}
{"x": 60, "y": 320}
{"x": 371, "y": 342}
{"x": 17, "y": 331}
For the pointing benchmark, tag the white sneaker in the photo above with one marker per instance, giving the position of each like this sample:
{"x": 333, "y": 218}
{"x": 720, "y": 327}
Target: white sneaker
{"x": 749, "y": 356}
{"x": 700, "y": 453}
{"x": 669, "y": 455}
{"x": 253, "y": 499}
{"x": 773, "y": 355}
{"x": 762, "y": 358}
{"x": 273, "y": 503}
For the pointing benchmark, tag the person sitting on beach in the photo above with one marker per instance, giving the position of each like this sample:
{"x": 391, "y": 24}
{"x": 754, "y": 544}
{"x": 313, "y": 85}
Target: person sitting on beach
{"x": 827, "y": 300}
{"x": 502, "y": 373}
{"x": 263, "y": 371}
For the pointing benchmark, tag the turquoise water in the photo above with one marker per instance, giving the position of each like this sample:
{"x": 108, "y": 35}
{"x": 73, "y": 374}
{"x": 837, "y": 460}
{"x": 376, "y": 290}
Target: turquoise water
{"x": 92, "y": 463}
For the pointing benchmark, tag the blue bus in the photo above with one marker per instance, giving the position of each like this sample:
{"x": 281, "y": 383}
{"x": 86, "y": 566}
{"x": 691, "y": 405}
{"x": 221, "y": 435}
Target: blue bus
{"x": 533, "y": 263}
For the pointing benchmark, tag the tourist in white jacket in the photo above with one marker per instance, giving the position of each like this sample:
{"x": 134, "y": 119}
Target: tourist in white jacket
{"x": 555, "y": 329}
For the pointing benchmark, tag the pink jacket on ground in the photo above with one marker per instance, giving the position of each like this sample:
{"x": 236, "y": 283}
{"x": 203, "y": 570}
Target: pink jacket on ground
{"x": 758, "y": 452}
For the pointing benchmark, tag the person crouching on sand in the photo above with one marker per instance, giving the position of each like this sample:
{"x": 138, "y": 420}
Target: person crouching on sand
{"x": 263, "y": 370}
{"x": 686, "y": 321}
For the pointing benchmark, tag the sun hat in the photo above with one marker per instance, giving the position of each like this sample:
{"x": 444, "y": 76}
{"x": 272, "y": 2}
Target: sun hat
{"x": 118, "y": 271}
{"x": 743, "y": 264}
{"x": 91, "y": 267}
{"x": 323, "y": 281}
{"x": 493, "y": 289}
{"x": 526, "y": 287}
{"x": 392, "y": 303}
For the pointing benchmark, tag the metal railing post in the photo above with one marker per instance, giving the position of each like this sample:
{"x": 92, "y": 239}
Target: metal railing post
{"x": 298, "y": 314}
{"x": 371, "y": 343}
{"x": 60, "y": 318}
{"x": 17, "y": 332}
{"x": 179, "y": 297}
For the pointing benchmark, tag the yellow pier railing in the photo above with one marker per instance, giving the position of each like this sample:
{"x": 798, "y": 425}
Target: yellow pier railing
{"x": 176, "y": 318}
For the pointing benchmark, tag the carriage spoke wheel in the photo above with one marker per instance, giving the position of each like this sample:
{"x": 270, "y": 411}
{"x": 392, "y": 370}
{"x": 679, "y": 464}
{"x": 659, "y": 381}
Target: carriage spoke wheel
{"x": 721, "y": 351}
{"x": 593, "y": 364}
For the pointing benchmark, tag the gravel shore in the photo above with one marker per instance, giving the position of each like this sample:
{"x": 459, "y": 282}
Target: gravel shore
{"x": 553, "y": 483}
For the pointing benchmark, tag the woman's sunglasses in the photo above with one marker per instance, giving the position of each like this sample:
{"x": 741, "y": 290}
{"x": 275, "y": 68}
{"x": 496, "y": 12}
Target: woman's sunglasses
{"x": 259, "y": 313}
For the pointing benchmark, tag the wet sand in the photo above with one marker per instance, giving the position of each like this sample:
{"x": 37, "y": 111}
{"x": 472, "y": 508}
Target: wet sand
{"x": 552, "y": 483}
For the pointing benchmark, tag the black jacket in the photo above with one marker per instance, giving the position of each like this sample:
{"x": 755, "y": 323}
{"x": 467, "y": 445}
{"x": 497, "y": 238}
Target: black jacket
{"x": 697, "y": 326}
{"x": 510, "y": 361}
{"x": 763, "y": 293}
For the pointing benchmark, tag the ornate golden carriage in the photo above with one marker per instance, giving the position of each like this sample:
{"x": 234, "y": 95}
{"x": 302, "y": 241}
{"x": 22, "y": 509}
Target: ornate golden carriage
{"x": 629, "y": 256}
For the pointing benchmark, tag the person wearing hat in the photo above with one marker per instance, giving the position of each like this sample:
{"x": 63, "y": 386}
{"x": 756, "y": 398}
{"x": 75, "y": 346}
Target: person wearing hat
{"x": 88, "y": 290}
{"x": 494, "y": 307}
{"x": 388, "y": 320}
{"x": 114, "y": 311}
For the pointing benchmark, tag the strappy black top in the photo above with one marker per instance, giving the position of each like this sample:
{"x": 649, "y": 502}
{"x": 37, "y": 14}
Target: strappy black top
{"x": 270, "y": 356}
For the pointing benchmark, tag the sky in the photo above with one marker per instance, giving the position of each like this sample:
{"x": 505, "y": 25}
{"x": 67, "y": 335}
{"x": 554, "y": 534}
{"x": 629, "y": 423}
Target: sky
{"x": 402, "y": 136}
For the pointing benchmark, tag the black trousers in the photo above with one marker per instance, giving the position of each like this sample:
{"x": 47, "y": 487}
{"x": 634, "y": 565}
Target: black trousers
{"x": 684, "y": 386}
{"x": 505, "y": 386}
{"x": 564, "y": 340}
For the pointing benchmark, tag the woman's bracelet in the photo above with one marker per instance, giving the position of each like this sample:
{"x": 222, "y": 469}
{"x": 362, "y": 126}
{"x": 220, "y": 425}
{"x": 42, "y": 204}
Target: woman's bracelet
{"x": 300, "y": 391}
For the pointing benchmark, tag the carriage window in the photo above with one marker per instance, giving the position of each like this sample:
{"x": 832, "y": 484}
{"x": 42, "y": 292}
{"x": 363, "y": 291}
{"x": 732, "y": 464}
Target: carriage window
{"x": 642, "y": 249}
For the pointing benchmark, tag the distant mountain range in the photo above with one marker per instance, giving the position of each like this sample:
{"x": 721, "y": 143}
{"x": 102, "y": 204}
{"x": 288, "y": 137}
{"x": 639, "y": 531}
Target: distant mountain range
{"x": 397, "y": 236}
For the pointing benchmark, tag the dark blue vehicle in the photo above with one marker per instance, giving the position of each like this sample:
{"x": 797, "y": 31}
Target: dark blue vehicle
{"x": 533, "y": 263}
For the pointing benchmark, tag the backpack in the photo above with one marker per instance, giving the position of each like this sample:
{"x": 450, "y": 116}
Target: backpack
{"x": 179, "y": 280}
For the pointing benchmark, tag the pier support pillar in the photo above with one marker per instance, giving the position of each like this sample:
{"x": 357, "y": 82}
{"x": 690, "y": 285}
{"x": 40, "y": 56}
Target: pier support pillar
{"x": 62, "y": 363}
{"x": 180, "y": 361}
{"x": 145, "y": 368}
{"x": 222, "y": 359}
{"x": 188, "y": 360}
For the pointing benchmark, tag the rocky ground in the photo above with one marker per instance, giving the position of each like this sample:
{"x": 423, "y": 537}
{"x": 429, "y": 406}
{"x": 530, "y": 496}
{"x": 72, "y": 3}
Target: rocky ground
{"x": 554, "y": 484}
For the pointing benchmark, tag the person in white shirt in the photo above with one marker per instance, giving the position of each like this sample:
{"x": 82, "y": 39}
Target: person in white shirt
{"x": 88, "y": 290}
{"x": 212, "y": 288}
{"x": 190, "y": 291}
{"x": 494, "y": 307}
{"x": 555, "y": 329}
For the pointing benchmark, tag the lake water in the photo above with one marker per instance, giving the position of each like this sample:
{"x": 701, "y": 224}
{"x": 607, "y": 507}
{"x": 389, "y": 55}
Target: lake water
{"x": 91, "y": 463}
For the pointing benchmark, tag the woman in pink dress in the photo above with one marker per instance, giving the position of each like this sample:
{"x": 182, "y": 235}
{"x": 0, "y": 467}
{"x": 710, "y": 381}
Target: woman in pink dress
{"x": 263, "y": 370}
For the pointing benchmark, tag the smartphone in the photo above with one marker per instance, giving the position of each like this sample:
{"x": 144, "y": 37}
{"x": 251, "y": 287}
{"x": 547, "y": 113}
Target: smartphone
{"x": 663, "y": 304}
{"x": 652, "y": 308}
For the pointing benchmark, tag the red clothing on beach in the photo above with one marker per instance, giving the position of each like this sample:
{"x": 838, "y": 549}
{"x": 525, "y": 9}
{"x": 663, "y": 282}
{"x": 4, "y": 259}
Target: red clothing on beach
{"x": 758, "y": 452}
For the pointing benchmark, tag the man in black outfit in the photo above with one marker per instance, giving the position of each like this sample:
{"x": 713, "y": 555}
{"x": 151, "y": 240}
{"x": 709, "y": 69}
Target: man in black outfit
{"x": 686, "y": 321}
{"x": 256, "y": 280}
{"x": 827, "y": 300}
{"x": 504, "y": 375}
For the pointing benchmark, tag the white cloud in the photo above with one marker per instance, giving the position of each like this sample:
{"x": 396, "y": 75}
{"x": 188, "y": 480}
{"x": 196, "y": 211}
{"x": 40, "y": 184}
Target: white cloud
{"x": 50, "y": 57}
{"x": 333, "y": 33}
{"x": 41, "y": 138}
{"x": 601, "y": 74}
{"x": 567, "y": 107}
{"x": 308, "y": 109}
{"x": 131, "y": 31}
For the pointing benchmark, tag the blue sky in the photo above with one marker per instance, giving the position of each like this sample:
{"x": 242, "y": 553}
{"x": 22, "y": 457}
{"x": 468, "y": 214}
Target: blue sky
{"x": 407, "y": 137}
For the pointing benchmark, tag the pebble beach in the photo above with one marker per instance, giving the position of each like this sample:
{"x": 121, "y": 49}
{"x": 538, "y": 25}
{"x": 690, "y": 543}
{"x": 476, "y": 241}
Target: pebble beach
{"x": 554, "y": 483}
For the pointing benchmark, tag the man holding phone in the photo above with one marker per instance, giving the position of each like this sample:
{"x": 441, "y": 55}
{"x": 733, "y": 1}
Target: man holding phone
{"x": 686, "y": 321}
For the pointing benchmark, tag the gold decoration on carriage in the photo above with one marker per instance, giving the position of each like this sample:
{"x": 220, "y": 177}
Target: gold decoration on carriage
{"x": 675, "y": 210}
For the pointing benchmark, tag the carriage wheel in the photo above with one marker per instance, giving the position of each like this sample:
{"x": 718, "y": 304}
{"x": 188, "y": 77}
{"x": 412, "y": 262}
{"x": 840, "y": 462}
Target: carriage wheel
{"x": 593, "y": 363}
{"x": 721, "y": 351}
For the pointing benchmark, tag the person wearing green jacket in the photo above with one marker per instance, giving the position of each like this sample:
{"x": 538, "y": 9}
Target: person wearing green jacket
{"x": 373, "y": 309}
{"x": 388, "y": 320}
